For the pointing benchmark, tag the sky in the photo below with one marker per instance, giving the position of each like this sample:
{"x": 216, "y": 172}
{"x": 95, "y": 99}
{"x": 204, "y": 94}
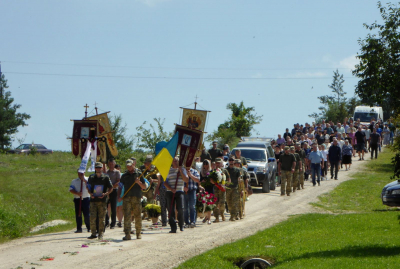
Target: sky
{"x": 144, "y": 59}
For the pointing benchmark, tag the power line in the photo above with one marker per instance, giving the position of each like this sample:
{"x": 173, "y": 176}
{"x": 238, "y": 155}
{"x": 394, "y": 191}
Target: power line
{"x": 171, "y": 78}
{"x": 177, "y": 68}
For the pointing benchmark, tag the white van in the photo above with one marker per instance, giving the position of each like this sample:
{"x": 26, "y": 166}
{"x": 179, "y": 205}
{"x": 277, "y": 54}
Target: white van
{"x": 366, "y": 113}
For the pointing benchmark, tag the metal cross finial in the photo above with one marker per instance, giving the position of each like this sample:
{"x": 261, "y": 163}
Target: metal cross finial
{"x": 86, "y": 107}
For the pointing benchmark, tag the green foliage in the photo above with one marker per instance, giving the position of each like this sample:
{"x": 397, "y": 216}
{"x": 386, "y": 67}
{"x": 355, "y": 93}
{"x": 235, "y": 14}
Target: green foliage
{"x": 240, "y": 124}
{"x": 121, "y": 139}
{"x": 367, "y": 238}
{"x": 149, "y": 137}
{"x": 10, "y": 119}
{"x": 396, "y": 148}
{"x": 335, "y": 107}
{"x": 33, "y": 149}
{"x": 378, "y": 69}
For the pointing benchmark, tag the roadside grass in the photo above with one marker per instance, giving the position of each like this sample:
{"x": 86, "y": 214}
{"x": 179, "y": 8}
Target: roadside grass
{"x": 34, "y": 190}
{"x": 368, "y": 237}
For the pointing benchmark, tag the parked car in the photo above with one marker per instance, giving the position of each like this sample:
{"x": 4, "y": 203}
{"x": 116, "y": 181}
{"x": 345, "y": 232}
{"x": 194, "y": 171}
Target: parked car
{"x": 26, "y": 149}
{"x": 391, "y": 194}
{"x": 262, "y": 166}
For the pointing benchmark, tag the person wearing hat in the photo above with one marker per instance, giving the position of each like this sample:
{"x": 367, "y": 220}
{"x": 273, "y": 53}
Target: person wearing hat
{"x": 232, "y": 192}
{"x": 214, "y": 151}
{"x": 302, "y": 156}
{"x": 295, "y": 181}
{"x": 133, "y": 186}
{"x": 99, "y": 187}
{"x": 219, "y": 194}
{"x": 82, "y": 200}
{"x": 238, "y": 155}
{"x": 243, "y": 185}
{"x": 286, "y": 167}
{"x": 151, "y": 176}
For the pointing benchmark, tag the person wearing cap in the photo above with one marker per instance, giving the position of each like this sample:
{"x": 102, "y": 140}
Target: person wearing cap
{"x": 115, "y": 177}
{"x": 295, "y": 180}
{"x": 238, "y": 155}
{"x": 214, "y": 151}
{"x": 219, "y": 209}
{"x": 151, "y": 176}
{"x": 78, "y": 189}
{"x": 243, "y": 186}
{"x": 133, "y": 186}
{"x": 99, "y": 186}
{"x": 302, "y": 156}
{"x": 232, "y": 192}
{"x": 286, "y": 167}
{"x": 316, "y": 160}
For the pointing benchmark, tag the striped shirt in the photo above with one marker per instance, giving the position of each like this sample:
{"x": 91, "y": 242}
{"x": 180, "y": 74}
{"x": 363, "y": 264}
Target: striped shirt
{"x": 171, "y": 179}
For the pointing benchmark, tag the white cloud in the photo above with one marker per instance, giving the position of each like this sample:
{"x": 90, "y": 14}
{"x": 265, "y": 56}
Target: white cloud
{"x": 151, "y": 3}
{"x": 348, "y": 62}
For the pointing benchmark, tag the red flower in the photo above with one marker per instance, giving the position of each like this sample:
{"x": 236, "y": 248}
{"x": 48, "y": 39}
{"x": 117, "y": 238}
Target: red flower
{"x": 206, "y": 192}
{"x": 202, "y": 195}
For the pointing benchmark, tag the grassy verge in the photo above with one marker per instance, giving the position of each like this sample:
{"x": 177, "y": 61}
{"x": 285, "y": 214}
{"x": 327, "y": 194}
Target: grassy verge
{"x": 34, "y": 190}
{"x": 366, "y": 238}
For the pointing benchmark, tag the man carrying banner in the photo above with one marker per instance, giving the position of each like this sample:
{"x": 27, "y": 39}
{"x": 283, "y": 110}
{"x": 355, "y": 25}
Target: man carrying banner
{"x": 133, "y": 186}
{"x": 99, "y": 186}
{"x": 81, "y": 201}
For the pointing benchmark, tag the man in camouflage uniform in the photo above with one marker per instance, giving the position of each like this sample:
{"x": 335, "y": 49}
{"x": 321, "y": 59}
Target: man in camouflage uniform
{"x": 302, "y": 156}
{"x": 286, "y": 165}
{"x": 243, "y": 185}
{"x": 132, "y": 199}
{"x": 152, "y": 181}
{"x": 220, "y": 195}
{"x": 295, "y": 182}
{"x": 99, "y": 186}
{"x": 214, "y": 151}
{"x": 232, "y": 192}
{"x": 238, "y": 154}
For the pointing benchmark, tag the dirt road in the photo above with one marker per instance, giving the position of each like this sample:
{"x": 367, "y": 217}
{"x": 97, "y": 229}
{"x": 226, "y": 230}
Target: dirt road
{"x": 158, "y": 249}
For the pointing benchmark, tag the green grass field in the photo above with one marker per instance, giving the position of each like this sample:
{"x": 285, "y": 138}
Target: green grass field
{"x": 34, "y": 190}
{"x": 361, "y": 234}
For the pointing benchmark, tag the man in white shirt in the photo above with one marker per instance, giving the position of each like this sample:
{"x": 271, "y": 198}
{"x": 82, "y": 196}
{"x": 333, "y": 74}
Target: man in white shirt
{"x": 78, "y": 189}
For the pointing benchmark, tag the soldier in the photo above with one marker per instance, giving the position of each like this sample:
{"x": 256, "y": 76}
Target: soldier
{"x": 99, "y": 186}
{"x": 238, "y": 154}
{"x": 286, "y": 166}
{"x": 302, "y": 156}
{"x": 220, "y": 195}
{"x": 153, "y": 180}
{"x": 232, "y": 192}
{"x": 295, "y": 182}
{"x": 243, "y": 185}
{"x": 133, "y": 186}
{"x": 214, "y": 152}
{"x": 115, "y": 176}
{"x": 205, "y": 155}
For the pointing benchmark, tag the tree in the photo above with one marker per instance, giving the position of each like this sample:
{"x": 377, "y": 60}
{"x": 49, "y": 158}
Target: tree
{"x": 121, "y": 139}
{"x": 379, "y": 66}
{"x": 224, "y": 136}
{"x": 148, "y": 138}
{"x": 10, "y": 119}
{"x": 334, "y": 107}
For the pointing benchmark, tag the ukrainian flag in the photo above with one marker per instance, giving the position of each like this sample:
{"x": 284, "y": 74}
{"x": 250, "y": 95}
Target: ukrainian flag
{"x": 164, "y": 158}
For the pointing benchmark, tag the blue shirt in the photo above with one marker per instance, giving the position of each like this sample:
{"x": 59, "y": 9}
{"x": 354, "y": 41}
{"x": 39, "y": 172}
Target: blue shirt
{"x": 315, "y": 157}
{"x": 191, "y": 184}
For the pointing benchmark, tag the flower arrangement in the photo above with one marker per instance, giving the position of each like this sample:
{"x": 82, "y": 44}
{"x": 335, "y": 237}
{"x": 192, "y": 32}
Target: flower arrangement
{"x": 205, "y": 202}
{"x": 143, "y": 200}
{"x": 153, "y": 210}
{"x": 216, "y": 176}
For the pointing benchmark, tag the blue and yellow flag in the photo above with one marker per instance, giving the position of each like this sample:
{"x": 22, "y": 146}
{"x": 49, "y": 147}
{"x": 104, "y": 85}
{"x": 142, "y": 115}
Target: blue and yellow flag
{"x": 164, "y": 158}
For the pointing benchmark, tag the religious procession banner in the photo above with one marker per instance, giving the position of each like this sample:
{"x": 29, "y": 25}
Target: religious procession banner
{"x": 105, "y": 130}
{"x": 189, "y": 141}
{"x": 86, "y": 129}
{"x": 195, "y": 119}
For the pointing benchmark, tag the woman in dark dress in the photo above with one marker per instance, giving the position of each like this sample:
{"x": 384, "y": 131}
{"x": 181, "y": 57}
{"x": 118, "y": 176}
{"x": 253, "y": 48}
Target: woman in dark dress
{"x": 205, "y": 171}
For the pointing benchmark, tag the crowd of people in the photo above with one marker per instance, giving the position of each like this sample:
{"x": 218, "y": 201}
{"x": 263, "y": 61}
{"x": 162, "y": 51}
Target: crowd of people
{"x": 300, "y": 153}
